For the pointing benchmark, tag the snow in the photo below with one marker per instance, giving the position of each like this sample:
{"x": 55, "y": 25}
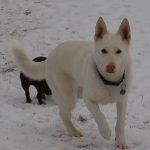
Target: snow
{"x": 39, "y": 25}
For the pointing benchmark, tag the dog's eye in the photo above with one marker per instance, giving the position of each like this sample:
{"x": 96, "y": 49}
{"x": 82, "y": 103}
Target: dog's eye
{"x": 118, "y": 51}
{"x": 104, "y": 51}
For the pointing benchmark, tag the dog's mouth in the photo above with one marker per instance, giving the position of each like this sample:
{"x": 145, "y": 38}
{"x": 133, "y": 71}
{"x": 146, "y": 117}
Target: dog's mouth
{"x": 110, "y": 72}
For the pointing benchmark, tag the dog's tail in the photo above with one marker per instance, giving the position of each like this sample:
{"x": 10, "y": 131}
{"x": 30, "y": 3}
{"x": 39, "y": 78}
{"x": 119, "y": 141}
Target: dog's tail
{"x": 33, "y": 70}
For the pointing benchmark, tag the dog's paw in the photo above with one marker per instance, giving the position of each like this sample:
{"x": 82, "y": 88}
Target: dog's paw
{"x": 43, "y": 96}
{"x": 42, "y": 102}
{"x": 122, "y": 146}
{"x": 76, "y": 133}
{"x": 120, "y": 142}
{"x": 105, "y": 131}
{"x": 29, "y": 101}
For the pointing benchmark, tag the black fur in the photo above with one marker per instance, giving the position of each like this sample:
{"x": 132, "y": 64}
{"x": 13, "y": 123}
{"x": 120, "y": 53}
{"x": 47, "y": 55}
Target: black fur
{"x": 41, "y": 86}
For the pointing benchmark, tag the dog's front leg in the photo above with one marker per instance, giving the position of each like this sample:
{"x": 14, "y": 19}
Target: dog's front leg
{"x": 120, "y": 125}
{"x": 99, "y": 118}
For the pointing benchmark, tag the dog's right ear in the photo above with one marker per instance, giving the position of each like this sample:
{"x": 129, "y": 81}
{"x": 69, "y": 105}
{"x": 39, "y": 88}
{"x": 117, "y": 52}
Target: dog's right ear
{"x": 124, "y": 30}
{"x": 100, "y": 29}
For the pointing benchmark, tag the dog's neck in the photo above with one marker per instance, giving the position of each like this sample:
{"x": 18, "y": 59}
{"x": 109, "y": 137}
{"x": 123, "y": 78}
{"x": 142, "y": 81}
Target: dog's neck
{"x": 114, "y": 83}
{"x": 109, "y": 82}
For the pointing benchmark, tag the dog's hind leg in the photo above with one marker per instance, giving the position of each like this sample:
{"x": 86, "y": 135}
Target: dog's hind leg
{"x": 99, "y": 118}
{"x": 40, "y": 96}
{"x": 66, "y": 106}
{"x": 66, "y": 117}
{"x": 25, "y": 83}
{"x": 65, "y": 95}
{"x": 27, "y": 94}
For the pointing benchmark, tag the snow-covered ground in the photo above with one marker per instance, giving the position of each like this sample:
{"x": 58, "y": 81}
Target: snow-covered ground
{"x": 39, "y": 25}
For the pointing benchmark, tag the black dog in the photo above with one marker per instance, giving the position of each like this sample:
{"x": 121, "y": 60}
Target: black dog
{"x": 41, "y": 86}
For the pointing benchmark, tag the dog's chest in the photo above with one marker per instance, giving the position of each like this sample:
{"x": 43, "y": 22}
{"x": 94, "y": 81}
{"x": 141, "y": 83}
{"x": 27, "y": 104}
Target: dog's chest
{"x": 108, "y": 94}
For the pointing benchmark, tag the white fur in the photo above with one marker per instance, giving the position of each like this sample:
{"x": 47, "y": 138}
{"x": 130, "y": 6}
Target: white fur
{"x": 70, "y": 70}
{"x": 35, "y": 70}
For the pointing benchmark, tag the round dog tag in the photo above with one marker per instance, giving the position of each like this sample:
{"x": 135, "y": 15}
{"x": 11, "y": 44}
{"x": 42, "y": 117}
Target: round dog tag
{"x": 122, "y": 91}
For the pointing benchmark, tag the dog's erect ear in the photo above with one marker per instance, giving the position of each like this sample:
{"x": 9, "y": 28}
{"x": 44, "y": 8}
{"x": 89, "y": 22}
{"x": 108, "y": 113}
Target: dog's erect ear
{"x": 124, "y": 30}
{"x": 100, "y": 29}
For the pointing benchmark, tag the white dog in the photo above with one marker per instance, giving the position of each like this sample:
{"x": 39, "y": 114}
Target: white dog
{"x": 99, "y": 72}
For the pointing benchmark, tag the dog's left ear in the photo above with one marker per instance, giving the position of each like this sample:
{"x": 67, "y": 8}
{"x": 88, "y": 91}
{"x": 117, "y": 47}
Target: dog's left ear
{"x": 100, "y": 29}
{"x": 124, "y": 30}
